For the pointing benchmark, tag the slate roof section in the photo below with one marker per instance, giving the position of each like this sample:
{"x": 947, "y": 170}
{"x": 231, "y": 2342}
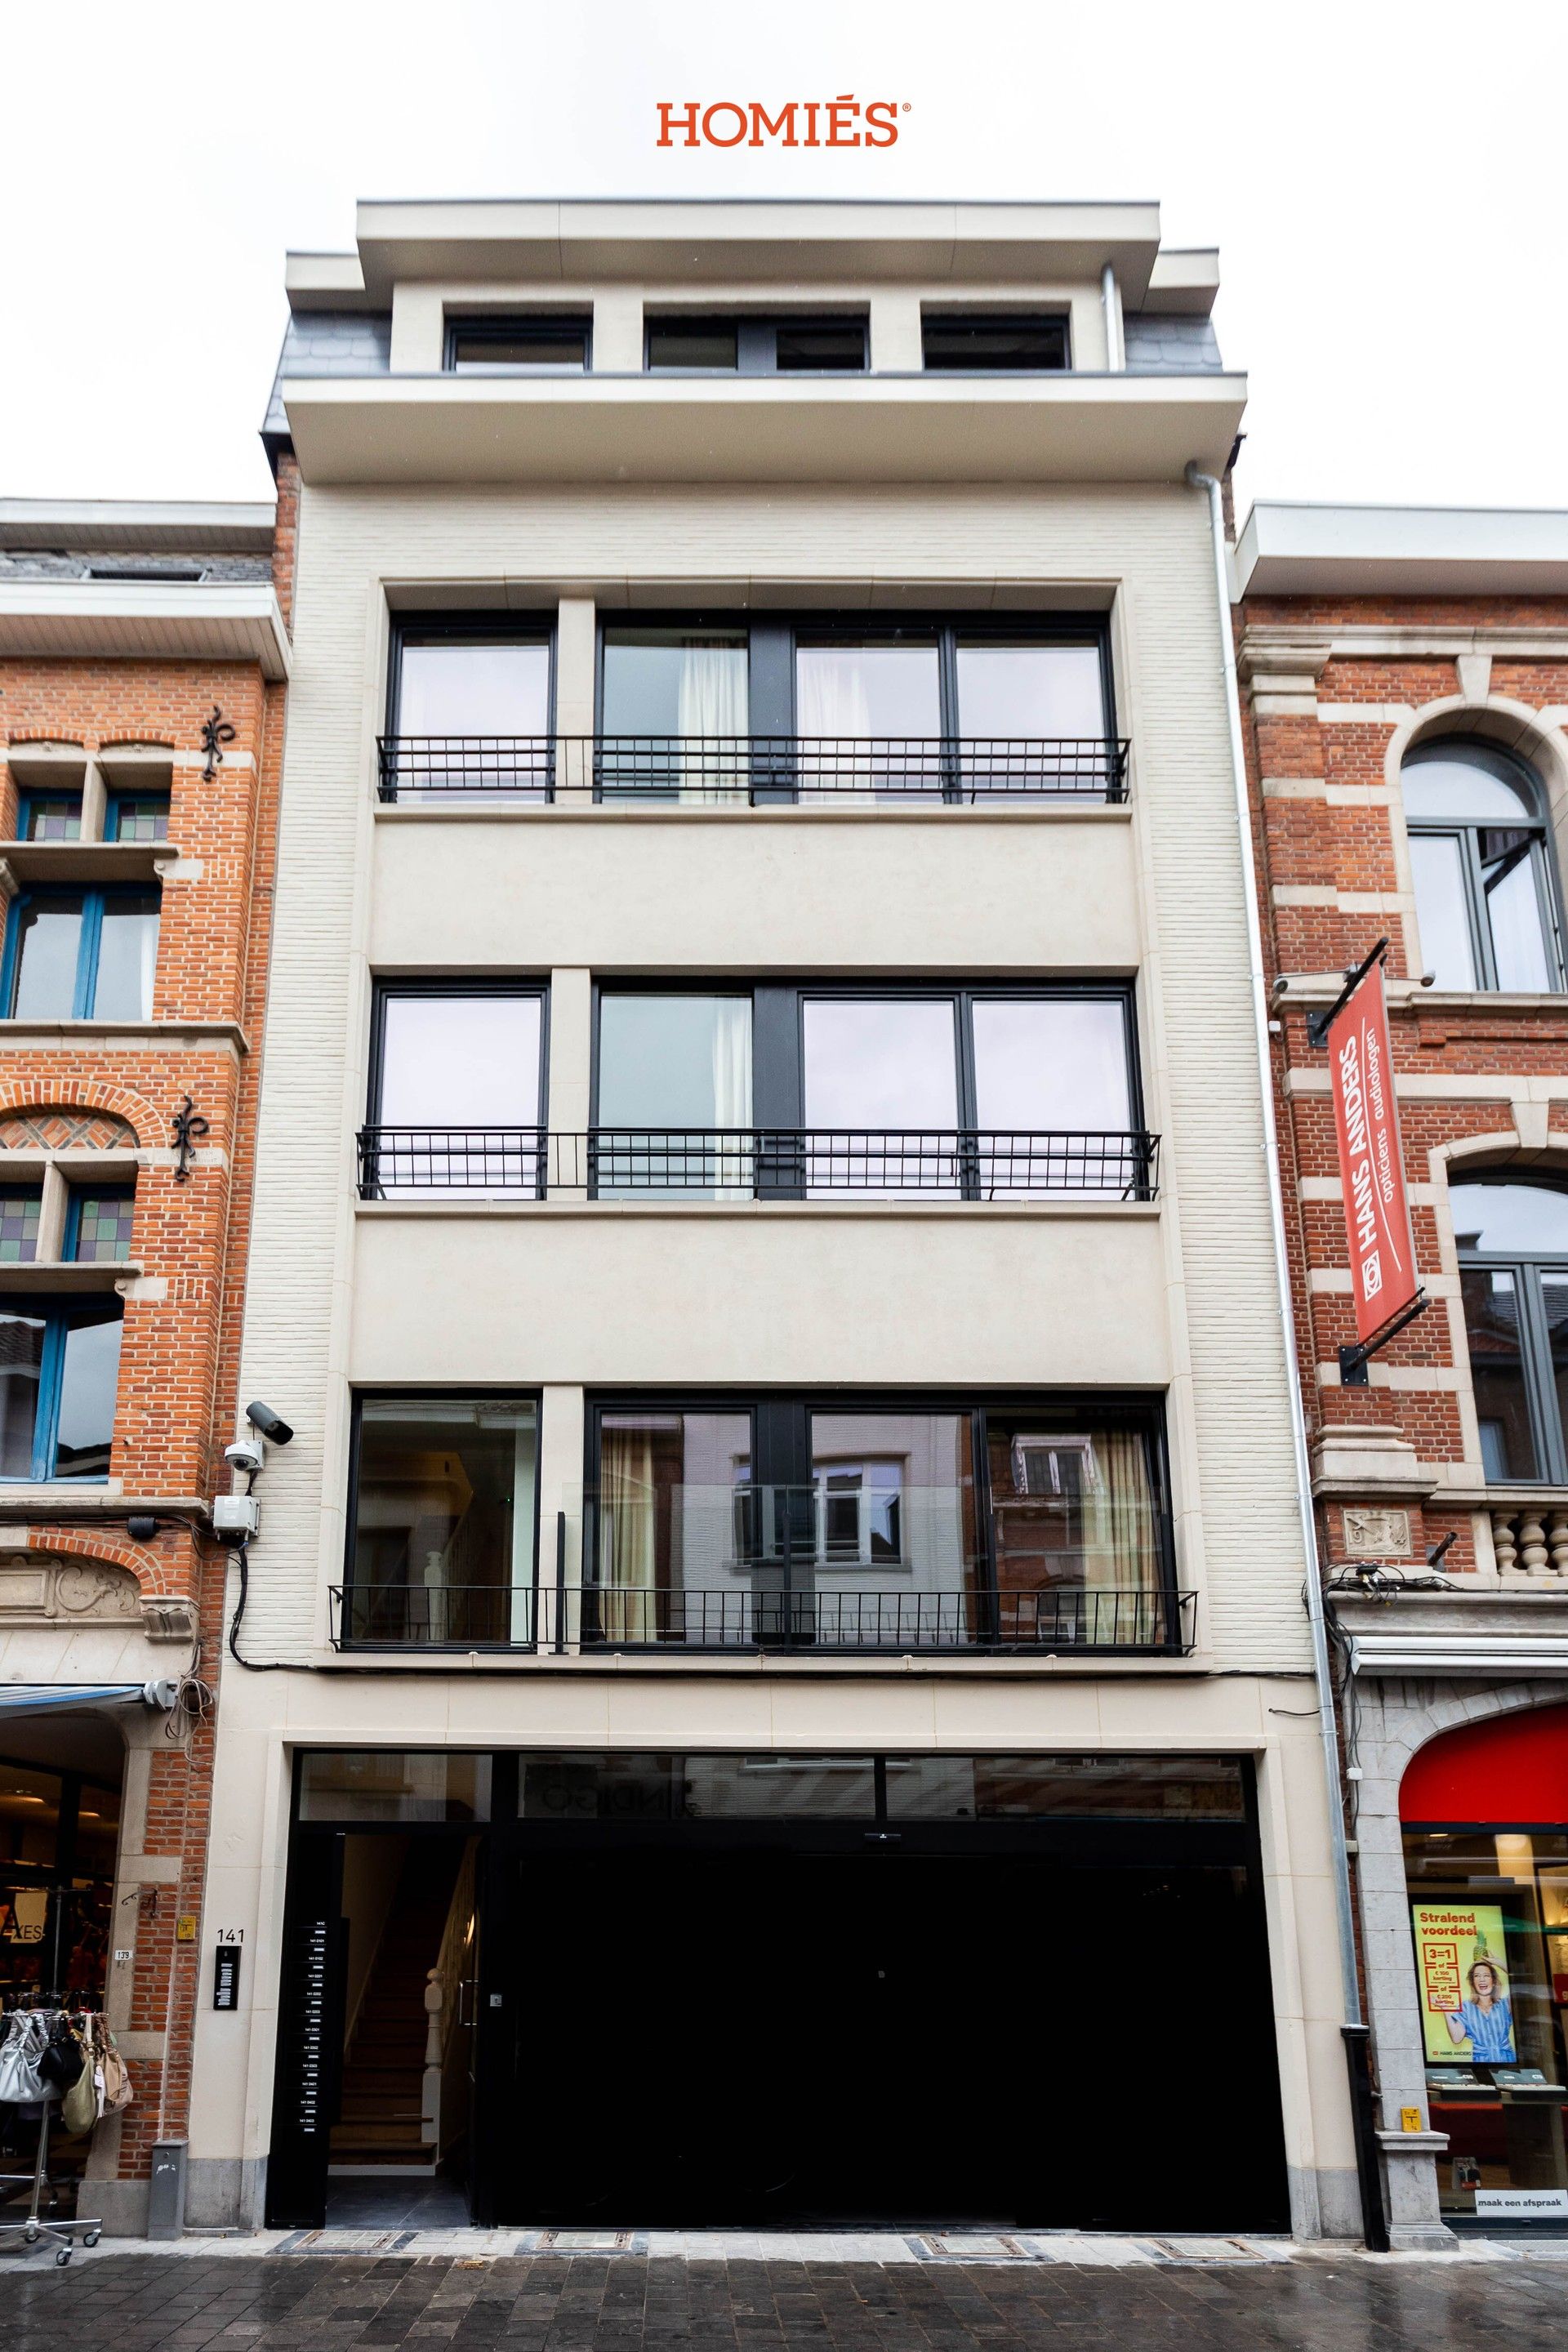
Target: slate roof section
{"x": 1159, "y": 343}
{"x": 329, "y": 343}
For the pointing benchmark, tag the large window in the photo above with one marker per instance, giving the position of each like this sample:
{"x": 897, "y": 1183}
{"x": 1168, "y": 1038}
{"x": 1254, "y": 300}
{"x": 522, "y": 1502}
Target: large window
{"x": 469, "y": 710}
{"x": 442, "y": 1520}
{"x": 949, "y": 708}
{"x": 991, "y": 1092}
{"x": 876, "y": 1523}
{"x": 1485, "y": 894}
{"x": 718, "y": 342}
{"x": 60, "y": 1369}
{"x": 457, "y": 1091}
{"x": 1512, "y": 1238}
{"x": 82, "y": 955}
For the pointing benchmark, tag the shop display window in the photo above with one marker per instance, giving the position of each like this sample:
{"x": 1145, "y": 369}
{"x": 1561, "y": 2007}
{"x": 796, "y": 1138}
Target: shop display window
{"x": 1489, "y": 1916}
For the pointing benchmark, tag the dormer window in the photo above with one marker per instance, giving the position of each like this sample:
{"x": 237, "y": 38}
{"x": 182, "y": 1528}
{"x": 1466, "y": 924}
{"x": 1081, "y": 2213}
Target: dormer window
{"x": 524, "y": 341}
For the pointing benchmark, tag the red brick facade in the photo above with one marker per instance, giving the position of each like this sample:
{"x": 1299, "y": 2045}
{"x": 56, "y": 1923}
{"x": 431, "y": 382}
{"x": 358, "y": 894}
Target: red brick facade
{"x": 1333, "y": 695}
{"x": 183, "y": 1293}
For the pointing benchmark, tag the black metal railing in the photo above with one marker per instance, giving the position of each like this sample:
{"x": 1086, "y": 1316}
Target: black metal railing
{"x": 751, "y": 770}
{"x": 1052, "y": 1620}
{"x": 758, "y": 1163}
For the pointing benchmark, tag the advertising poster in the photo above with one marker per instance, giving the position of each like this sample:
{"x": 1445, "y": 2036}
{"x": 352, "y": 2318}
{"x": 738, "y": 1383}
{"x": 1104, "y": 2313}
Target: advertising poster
{"x": 1467, "y": 2012}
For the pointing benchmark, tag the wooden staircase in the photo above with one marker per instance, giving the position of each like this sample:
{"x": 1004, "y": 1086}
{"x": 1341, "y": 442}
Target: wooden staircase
{"x": 380, "y": 2119}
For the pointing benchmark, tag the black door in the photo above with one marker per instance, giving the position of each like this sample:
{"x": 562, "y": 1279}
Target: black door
{"x": 852, "y": 2029}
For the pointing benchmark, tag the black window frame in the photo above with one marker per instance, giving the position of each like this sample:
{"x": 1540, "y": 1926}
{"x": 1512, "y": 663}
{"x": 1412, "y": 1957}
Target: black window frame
{"x": 935, "y": 315}
{"x": 773, "y": 640}
{"x": 756, "y": 339}
{"x": 1504, "y": 765}
{"x": 451, "y": 984}
{"x": 781, "y": 1451}
{"x": 513, "y": 627}
{"x": 778, "y": 1028}
{"x": 436, "y": 1393}
{"x": 515, "y": 327}
{"x": 1546, "y": 1422}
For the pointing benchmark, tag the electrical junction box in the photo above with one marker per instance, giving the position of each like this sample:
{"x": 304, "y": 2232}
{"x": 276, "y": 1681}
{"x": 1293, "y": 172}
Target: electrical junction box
{"x": 236, "y": 1515}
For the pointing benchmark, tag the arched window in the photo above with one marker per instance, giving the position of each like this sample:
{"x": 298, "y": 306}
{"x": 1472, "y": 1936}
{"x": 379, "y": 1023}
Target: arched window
{"x": 1513, "y": 1272}
{"x": 1484, "y": 890}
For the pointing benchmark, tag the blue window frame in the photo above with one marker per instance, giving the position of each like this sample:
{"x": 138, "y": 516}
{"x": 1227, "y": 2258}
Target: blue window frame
{"x": 98, "y": 1223}
{"x": 80, "y": 955}
{"x": 60, "y": 1372}
{"x": 136, "y": 816}
{"x": 48, "y": 816}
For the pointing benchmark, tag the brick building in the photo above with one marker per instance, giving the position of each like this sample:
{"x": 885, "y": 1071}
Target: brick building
{"x": 1405, "y": 694}
{"x": 143, "y": 654}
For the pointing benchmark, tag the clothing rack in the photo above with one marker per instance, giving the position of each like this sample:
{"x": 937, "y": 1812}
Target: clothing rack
{"x": 39, "y": 2182}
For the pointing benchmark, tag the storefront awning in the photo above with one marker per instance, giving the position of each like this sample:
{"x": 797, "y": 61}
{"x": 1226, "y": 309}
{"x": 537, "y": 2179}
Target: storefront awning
{"x": 40, "y": 1698}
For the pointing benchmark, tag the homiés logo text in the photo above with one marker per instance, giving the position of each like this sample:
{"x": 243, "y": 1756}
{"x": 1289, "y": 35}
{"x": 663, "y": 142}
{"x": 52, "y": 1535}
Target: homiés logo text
{"x": 802, "y": 122}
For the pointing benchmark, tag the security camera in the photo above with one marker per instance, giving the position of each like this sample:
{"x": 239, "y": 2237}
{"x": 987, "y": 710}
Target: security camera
{"x": 244, "y": 1453}
{"x": 262, "y": 1417}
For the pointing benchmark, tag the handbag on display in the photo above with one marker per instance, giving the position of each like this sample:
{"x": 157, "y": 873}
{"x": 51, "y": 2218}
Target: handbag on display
{"x": 78, "y": 2109}
{"x": 114, "y": 2089}
{"x": 21, "y": 2082}
{"x": 62, "y": 2063}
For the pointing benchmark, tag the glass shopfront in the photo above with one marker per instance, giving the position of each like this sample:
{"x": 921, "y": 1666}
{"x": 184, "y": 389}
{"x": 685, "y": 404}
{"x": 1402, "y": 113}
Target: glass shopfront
{"x": 1489, "y": 1920}
{"x": 804, "y": 1989}
{"x": 58, "y": 1831}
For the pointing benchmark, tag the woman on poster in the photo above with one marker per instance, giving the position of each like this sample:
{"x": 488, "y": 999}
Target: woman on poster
{"x": 1486, "y": 2019}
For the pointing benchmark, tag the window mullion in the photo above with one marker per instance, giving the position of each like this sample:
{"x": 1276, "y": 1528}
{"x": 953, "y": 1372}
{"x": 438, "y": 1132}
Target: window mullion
{"x": 1479, "y": 914}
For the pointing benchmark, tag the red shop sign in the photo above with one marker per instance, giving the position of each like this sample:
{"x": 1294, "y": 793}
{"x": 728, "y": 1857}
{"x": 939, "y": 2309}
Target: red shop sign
{"x": 1377, "y": 1214}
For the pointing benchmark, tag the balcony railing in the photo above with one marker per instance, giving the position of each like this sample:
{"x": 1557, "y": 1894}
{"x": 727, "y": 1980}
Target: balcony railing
{"x": 757, "y": 1164}
{"x": 752, "y": 1617}
{"x": 748, "y": 771}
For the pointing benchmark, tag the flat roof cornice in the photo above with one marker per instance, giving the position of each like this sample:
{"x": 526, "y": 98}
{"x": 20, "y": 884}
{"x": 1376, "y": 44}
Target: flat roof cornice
{"x": 169, "y": 526}
{"x": 1286, "y": 549}
{"x": 717, "y": 239}
{"x": 137, "y": 620}
{"x": 609, "y": 428}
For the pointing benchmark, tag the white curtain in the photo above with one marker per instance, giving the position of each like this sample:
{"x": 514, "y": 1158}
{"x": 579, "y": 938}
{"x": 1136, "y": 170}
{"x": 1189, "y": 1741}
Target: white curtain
{"x": 732, "y": 1094}
{"x": 629, "y": 1547}
{"x": 831, "y": 684}
{"x": 712, "y": 701}
{"x": 1119, "y": 1519}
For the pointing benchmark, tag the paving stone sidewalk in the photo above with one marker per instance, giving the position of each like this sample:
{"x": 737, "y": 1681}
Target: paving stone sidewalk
{"x": 148, "y": 2303}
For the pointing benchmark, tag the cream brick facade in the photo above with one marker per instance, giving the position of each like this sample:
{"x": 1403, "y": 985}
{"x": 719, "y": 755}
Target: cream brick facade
{"x": 1178, "y": 1296}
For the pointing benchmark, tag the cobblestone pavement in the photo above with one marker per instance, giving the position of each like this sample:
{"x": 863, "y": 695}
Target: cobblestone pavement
{"x": 147, "y": 2302}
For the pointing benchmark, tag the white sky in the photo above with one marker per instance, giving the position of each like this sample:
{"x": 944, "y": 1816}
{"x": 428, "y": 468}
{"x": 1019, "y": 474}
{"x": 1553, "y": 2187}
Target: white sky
{"x": 1384, "y": 181}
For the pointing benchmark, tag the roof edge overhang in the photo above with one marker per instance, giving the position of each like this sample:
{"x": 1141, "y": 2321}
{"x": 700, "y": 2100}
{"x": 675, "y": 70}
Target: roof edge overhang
{"x": 623, "y": 429}
{"x": 1287, "y": 549}
{"x": 169, "y": 527}
{"x": 107, "y": 619}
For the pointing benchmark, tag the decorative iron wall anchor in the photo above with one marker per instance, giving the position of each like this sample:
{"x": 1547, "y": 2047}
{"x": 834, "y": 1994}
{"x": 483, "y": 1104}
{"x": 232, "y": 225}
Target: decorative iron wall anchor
{"x": 189, "y": 1128}
{"x": 216, "y": 732}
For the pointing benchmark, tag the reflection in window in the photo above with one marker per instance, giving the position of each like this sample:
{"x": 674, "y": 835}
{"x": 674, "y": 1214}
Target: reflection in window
{"x": 675, "y": 713}
{"x": 443, "y": 1520}
{"x": 1516, "y": 1322}
{"x": 1480, "y": 861}
{"x": 455, "y": 1068}
{"x": 391, "y": 1784}
{"x": 83, "y": 955}
{"x": 884, "y": 1069}
{"x": 1029, "y": 690}
{"x": 885, "y": 694}
{"x": 456, "y": 694}
{"x": 894, "y": 1493}
{"x": 1073, "y": 1504}
{"x": 675, "y": 1516}
{"x": 60, "y": 1372}
{"x": 674, "y": 1097}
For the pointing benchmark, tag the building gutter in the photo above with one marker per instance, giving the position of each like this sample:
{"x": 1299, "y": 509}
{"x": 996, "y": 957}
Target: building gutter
{"x": 1355, "y": 2029}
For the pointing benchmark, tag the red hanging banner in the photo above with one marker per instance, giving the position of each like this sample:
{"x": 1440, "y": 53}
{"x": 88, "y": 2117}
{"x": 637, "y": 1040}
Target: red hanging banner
{"x": 1377, "y": 1213}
